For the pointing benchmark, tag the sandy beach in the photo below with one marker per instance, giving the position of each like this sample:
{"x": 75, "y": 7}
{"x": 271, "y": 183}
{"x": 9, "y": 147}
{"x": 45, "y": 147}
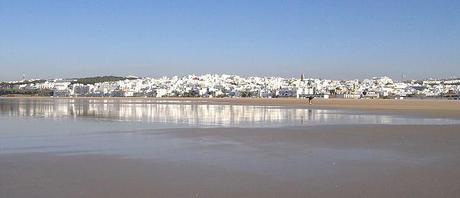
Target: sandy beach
{"x": 80, "y": 147}
{"x": 336, "y": 161}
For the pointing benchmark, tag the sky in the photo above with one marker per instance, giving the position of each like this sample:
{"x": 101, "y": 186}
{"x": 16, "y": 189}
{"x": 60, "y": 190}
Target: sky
{"x": 324, "y": 39}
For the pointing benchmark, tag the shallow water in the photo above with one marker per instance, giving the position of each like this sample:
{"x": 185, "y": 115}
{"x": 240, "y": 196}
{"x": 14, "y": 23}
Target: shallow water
{"x": 137, "y": 127}
{"x": 196, "y": 114}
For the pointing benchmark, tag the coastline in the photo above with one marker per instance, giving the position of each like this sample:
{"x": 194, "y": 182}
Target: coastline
{"x": 413, "y": 107}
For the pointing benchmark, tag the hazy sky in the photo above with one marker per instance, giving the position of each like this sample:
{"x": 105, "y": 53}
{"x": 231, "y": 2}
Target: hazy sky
{"x": 340, "y": 39}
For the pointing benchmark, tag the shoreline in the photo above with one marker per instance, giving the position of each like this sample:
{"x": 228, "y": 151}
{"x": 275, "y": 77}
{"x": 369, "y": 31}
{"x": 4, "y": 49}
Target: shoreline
{"x": 413, "y": 107}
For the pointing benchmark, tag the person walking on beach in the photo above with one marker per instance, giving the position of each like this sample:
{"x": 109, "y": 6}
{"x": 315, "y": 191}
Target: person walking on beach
{"x": 310, "y": 98}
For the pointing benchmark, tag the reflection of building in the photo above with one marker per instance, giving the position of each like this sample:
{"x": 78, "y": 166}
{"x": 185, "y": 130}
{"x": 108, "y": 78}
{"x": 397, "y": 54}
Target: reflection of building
{"x": 185, "y": 112}
{"x": 159, "y": 111}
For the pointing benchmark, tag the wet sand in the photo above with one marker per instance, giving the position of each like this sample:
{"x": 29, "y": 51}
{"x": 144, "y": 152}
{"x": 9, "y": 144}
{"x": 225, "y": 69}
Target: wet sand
{"x": 412, "y": 107}
{"x": 322, "y": 161}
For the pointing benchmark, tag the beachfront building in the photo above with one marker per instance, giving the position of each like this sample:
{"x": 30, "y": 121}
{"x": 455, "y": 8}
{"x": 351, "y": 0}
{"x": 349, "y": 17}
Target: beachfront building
{"x": 213, "y": 85}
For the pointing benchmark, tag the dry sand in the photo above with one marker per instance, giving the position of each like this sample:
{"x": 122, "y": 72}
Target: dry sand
{"x": 327, "y": 161}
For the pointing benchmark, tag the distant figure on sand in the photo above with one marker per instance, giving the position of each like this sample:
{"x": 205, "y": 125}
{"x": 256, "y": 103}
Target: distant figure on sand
{"x": 310, "y": 98}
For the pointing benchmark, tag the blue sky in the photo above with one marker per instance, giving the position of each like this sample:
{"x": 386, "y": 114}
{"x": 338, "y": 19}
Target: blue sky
{"x": 328, "y": 39}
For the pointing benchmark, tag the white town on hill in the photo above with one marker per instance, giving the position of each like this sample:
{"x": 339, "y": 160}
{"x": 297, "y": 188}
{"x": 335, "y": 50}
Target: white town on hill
{"x": 214, "y": 85}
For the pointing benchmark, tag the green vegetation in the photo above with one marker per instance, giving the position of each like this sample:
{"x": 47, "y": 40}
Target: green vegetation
{"x": 6, "y": 84}
{"x": 11, "y": 89}
{"x": 99, "y": 79}
{"x": 34, "y": 92}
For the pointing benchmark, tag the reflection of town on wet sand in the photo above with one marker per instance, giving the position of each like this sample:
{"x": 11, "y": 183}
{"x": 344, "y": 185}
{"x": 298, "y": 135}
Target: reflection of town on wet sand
{"x": 206, "y": 114}
{"x": 196, "y": 113}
